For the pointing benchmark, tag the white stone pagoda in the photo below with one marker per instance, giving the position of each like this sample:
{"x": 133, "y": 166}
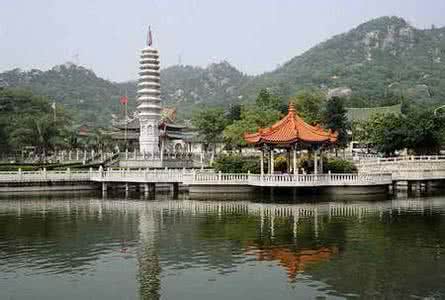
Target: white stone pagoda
{"x": 149, "y": 100}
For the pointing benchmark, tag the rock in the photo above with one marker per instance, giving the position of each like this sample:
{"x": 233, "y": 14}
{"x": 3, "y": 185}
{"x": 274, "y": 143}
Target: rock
{"x": 341, "y": 92}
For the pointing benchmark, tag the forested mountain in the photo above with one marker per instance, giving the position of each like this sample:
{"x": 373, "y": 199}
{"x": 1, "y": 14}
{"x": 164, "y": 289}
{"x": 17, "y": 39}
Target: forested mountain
{"x": 381, "y": 61}
{"x": 79, "y": 90}
{"x": 378, "y": 59}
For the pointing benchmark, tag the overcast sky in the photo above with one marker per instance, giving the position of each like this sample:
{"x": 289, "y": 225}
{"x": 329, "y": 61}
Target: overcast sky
{"x": 253, "y": 35}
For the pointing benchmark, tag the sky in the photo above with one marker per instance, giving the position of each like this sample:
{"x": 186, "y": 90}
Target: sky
{"x": 253, "y": 35}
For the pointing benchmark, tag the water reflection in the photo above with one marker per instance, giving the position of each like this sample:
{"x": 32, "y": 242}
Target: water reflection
{"x": 196, "y": 249}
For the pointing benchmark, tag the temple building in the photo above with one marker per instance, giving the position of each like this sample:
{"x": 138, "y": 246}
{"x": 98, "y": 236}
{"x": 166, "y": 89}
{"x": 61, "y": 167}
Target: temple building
{"x": 172, "y": 136}
{"x": 290, "y": 133}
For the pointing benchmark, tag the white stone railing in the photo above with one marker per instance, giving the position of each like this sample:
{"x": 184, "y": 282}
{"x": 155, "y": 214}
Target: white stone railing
{"x": 311, "y": 180}
{"x": 43, "y": 176}
{"x": 141, "y": 176}
{"x": 397, "y": 159}
{"x": 193, "y": 177}
{"x": 219, "y": 178}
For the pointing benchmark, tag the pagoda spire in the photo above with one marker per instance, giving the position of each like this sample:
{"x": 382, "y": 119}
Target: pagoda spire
{"x": 150, "y": 37}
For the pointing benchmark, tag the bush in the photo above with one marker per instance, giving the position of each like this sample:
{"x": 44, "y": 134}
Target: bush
{"x": 335, "y": 165}
{"x": 236, "y": 164}
{"x": 339, "y": 166}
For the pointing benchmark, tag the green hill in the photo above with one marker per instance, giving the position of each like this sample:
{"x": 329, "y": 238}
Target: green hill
{"x": 377, "y": 63}
{"x": 378, "y": 59}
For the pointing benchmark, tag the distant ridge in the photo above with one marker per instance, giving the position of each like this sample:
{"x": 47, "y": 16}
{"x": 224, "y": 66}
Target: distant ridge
{"x": 381, "y": 62}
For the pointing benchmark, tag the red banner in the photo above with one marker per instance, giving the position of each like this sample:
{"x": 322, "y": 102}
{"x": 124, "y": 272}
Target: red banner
{"x": 124, "y": 100}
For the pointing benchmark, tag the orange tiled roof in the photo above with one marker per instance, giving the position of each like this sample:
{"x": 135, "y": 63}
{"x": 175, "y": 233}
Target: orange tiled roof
{"x": 289, "y": 130}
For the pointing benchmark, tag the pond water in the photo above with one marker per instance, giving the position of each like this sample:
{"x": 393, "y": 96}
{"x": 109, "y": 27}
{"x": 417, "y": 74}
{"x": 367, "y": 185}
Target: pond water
{"x": 89, "y": 247}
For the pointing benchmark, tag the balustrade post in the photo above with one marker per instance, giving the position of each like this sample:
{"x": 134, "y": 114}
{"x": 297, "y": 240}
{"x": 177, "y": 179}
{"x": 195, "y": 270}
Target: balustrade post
{"x": 44, "y": 173}
{"x": 68, "y": 173}
{"x": 126, "y": 154}
{"x": 90, "y": 172}
{"x": 20, "y": 174}
{"x": 69, "y": 155}
{"x": 77, "y": 154}
{"x": 219, "y": 176}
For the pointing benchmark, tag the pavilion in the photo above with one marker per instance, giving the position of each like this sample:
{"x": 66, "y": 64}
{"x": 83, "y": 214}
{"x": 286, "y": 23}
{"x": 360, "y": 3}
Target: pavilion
{"x": 291, "y": 133}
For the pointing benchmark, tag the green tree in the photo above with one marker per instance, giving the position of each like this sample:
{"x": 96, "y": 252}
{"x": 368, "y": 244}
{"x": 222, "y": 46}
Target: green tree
{"x": 251, "y": 120}
{"x": 29, "y": 120}
{"x": 234, "y": 112}
{"x": 309, "y": 103}
{"x": 267, "y": 100}
{"x": 210, "y": 124}
{"x": 334, "y": 118}
{"x": 386, "y": 133}
{"x": 424, "y": 132}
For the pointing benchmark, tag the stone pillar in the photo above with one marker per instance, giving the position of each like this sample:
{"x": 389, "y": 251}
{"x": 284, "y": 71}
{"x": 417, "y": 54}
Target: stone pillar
{"x": 77, "y": 154}
{"x": 321, "y": 161}
{"x": 69, "y": 155}
{"x": 162, "y": 149}
{"x": 288, "y": 159}
{"x": 315, "y": 162}
{"x": 262, "y": 162}
{"x": 294, "y": 160}
{"x": 201, "y": 158}
{"x": 271, "y": 162}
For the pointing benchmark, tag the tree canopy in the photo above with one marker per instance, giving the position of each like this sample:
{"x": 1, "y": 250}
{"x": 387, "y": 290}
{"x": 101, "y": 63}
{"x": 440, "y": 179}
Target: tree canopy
{"x": 334, "y": 117}
{"x": 210, "y": 124}
{"x": 309, "y": 103}
{"x": 420, "y": 132}
{"x": 29, "y": 120}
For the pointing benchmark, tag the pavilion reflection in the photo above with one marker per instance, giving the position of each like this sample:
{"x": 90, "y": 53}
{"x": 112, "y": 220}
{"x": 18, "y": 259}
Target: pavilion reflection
{"x": 294, "y": 261}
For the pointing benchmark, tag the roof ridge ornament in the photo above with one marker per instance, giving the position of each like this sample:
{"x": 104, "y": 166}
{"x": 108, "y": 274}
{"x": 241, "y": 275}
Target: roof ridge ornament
{"x": 149, "y": 37}
{"x": 291, "y": 108}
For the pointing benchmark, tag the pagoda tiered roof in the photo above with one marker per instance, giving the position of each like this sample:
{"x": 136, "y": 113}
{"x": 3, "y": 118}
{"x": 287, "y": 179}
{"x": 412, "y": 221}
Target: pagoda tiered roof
{"x": 289, "y": 130}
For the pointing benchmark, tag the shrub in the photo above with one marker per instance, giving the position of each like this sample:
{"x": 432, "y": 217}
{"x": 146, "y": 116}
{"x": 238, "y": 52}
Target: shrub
{"x": 280, "y": 164}
{"x": 236, "y": 164}
{"x": 339, "y": 166}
